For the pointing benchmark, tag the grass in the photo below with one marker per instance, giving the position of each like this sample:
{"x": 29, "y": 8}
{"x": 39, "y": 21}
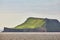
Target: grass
{"x": 31, "y": 23}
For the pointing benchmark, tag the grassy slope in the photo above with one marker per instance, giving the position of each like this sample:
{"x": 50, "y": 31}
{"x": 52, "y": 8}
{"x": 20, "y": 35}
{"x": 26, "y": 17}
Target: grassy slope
{"x": 31, "y": 23}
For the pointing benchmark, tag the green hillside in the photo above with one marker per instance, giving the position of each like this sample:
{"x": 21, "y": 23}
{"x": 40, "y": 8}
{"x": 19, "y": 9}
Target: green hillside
{"x": 31, "y": 23}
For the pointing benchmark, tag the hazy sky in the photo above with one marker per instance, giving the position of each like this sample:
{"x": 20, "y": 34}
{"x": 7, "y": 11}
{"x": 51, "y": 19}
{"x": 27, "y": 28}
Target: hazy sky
{"x": 14, "y": 12}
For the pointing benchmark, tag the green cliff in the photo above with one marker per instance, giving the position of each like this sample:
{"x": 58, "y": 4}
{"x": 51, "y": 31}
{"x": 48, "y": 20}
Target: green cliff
{"x": 31, "y": 23}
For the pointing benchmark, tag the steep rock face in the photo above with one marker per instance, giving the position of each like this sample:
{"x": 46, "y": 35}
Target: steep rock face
{"x": 22, "y": 30}
{"x": 52, "y": 25}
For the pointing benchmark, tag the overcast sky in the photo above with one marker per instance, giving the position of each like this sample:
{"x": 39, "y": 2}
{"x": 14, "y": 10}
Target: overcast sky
{"x": 15, "y": 12}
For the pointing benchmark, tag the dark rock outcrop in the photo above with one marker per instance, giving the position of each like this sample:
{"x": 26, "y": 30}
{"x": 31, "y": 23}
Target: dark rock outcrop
{"x": 52, "y": 25}
{"x": 22, "y": 30}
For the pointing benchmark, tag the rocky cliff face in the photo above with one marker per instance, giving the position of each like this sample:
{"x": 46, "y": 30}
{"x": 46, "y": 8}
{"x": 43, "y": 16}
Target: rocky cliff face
{"x": 37, "y": 25}
{"x": 52, "y": 25}
{"x": 23, "y": 30}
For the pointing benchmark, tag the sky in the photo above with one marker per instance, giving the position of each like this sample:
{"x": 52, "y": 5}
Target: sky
{"x": 15, "y": 12}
